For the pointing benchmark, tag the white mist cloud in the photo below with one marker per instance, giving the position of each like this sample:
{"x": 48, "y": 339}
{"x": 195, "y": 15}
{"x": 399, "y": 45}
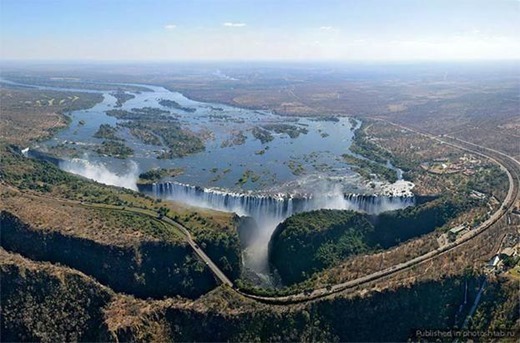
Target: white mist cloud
{"x": 100, "y": 173}
{"x": 326, "y": 28}
{"x": 170, "y": 26}
{"x": 230, "y": 24}
{"x": 268, "y": 214}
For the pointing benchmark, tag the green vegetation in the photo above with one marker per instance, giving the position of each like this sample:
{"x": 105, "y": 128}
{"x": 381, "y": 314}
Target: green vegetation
{"x": 366, "y": 147}
{"x": 180, "y": 142}
{"x": 362, "y": 145}
{"x": 214, "y": 231}
{"x": 262, "y": 135}
{"x": 46, "y": 303}
{"x": 490, "y": 180}
{"x": 145, "y": 269}
{"x": 246, "y": 176}
{"x": 115, "y": 149}
{"x": 69, "y": 306}
{"x": 296, "y": 167}
{"x": 330, "y": 118}
{"x": 30, "y": 174}
{"x": 176, "y": 105}
{"x": 146, "y": 225}
{"x": 106, "y": 131}
{"x": 155, "y": 175}
{"x": 49, "y": 302}
{"x": 309, "y": 242}
{"x": 219, "y": 241}
{"x": 366, "y": 168}
{"x": 394, "y": 227}
{"x": 145, "y": 113}
{"x": 122, "y": 97}
{"x": 291, "y": 130}
{"x": 496, "y": 310}
{"x": 151, "y": 126}
{"x": 237, "y": 138}
{"x": 143, "y": 134}
{"x": 426, "y": 305}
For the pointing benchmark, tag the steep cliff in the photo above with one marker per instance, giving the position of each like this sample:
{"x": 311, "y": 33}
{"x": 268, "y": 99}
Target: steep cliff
{"x": 145, "y": 269}
{"x": 44, "y": 303}
{"x": 390, "y": 315}
{"x": 309, "y": 242}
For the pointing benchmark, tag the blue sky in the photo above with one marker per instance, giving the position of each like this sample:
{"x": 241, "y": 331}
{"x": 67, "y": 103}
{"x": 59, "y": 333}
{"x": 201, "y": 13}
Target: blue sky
{"x": 300, "y": 30}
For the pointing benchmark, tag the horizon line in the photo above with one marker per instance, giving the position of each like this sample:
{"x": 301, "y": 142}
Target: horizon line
{"x": 241, "y": 61}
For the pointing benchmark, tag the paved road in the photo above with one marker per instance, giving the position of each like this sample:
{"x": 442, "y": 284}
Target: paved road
{"x": 154, "y": 215}
{"x": 216, "y": 270}
{"x": 169, "y": 222}
{"x": 508, "y": 164}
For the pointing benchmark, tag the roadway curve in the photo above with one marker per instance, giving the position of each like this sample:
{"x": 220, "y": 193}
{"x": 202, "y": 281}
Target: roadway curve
{"x": 507, "y": 163}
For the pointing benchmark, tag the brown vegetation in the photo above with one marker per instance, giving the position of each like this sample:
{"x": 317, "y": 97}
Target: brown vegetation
{"x": 30, "y": 114}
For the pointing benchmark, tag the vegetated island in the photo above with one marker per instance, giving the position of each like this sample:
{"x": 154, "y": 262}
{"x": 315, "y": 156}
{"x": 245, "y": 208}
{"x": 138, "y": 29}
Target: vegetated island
{"x": 175, "y": 105}
{"x": 262, "y": 135}
{"x": 153, "y": 126}
{"x": 115, "y": 149}
{"x": 155, "y": 175}
{"x": 290, "y": 130}
{"x": 106, "y": 131}
{"x": 237, "y": 137}
{"x": 121, "y": 97}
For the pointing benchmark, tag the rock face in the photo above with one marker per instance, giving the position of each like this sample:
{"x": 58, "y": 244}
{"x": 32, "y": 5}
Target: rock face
{"x": 45, "y": 303}
{"x": 380, "y": 317}
{"x": 150, "y": 269}
{"x": 247, "y": 230}
{"x": 309, "y": 242}
{"x": 48, "y": 303}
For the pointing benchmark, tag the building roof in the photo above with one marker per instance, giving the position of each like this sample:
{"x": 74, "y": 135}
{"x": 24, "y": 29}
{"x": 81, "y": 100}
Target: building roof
{"x": 457, "y": 229}
{"x": 494, "y": 261}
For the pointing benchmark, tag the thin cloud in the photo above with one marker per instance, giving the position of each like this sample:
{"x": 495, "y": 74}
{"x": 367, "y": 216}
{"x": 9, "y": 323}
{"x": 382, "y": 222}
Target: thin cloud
{"x": 230, "y": 24}
{"x": 326, "y": 28}
{"x": 170, "y": 26}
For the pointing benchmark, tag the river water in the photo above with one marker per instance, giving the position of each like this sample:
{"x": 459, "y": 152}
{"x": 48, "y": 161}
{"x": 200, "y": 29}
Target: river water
{"x": 284, "y": 164}
{"x": 308, "y": 166}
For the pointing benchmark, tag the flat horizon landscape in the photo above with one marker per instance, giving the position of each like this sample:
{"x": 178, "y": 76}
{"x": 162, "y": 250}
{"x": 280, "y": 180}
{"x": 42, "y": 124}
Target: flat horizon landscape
{"x": 258, "y": 171}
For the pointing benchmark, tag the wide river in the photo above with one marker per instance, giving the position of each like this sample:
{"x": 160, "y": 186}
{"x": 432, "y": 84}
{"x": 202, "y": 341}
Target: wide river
{"x": 284, "y": 164}
{"x": 308, "y": 164}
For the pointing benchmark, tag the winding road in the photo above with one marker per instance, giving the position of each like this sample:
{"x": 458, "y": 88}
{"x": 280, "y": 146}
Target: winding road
{"x": 507, "y": 163}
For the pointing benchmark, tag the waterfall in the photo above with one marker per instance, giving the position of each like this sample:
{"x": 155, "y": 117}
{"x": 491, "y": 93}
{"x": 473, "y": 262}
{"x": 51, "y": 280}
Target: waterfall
{"x": 279, "y": 206}
{"x": 270, "y": 210}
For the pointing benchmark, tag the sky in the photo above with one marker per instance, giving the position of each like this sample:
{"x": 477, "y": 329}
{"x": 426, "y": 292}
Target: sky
{"x": 261, "y": 30}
